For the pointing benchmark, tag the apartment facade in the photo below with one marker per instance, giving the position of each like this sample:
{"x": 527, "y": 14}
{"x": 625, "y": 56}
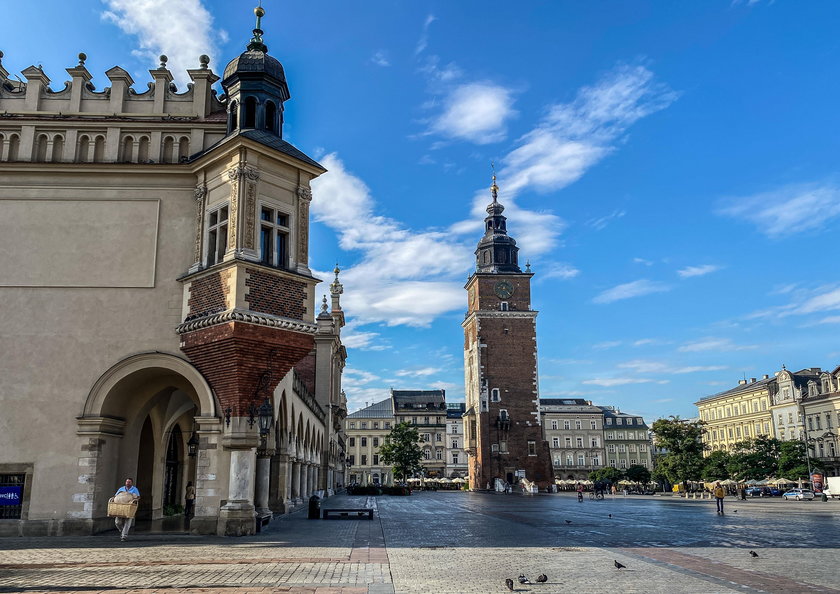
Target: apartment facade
{"x": 366, "y": 432}
{"x": 627, "y": 440}
{"x": 574, "y": 430}
{"x": 456, "y": 453}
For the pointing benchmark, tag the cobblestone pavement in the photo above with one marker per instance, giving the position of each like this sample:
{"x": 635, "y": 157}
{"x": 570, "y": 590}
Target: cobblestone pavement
{"x": 453, "y": 542}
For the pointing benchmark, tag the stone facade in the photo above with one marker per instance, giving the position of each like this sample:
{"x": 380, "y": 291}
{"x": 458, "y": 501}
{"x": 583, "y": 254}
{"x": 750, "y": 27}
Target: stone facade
{"x": 456, "y": 453}
{"x": 366, "y": 432}
{"x": 159, "y": 285}
{"x": 426, "y": 411}
{"x": 574, "y": 430}
{"x": 627, "y": 439}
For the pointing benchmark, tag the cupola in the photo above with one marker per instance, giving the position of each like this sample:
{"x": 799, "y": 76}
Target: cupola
{"x": 255, "y": 84}
{"x": 497, "y": 251}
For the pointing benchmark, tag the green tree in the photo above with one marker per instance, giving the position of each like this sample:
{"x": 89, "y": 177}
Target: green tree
{"x": 756, "y": 458}
{"x": 638, "y": 474}
{"x": 402, "y": 451}
{"x": 792, "y": 464}
{"x": 681, "y": 440}
{"x": 716, "y": 466}
{"x": 608, "y": 474}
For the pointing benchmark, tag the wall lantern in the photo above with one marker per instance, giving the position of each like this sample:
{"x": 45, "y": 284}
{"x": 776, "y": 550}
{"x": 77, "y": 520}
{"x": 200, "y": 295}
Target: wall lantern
{"x": 192, "y": 445}
{"x": 266, "y": 418}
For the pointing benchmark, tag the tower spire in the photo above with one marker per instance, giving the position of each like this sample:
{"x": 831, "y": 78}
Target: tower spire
{"x": 256, "y": 40}
{"x": 497, "y": 251}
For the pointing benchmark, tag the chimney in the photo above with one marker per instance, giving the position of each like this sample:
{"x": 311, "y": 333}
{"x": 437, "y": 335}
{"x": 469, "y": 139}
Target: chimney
{"x": 742, "y": 382}
{"x": 752, "y": 380}
{"x": 766, "y": 376}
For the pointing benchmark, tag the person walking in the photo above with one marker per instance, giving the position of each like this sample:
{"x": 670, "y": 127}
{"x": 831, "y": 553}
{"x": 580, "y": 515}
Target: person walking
{"x": 580, "y": 492}
{"x": 189, "y": 501}
{"x": 125, "y": 494}
{"x": 719, "y": 493}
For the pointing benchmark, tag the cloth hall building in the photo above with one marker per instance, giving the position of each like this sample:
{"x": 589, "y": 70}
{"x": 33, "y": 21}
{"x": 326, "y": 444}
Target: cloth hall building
{"x": 161, "y": 320}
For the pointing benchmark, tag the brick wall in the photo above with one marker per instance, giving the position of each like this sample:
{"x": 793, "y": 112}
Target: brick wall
{"x": 209, "y": 294}
{"x": 275, "y": 295}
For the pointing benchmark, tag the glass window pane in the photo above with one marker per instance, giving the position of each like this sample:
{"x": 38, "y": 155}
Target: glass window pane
{"x": 223, "y": 213}
{"x": 266, "y": 214}
{"x": 265, "y": 245}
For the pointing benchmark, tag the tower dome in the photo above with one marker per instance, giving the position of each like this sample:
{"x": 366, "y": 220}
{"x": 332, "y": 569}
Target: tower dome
{"x": 496, "y": 251}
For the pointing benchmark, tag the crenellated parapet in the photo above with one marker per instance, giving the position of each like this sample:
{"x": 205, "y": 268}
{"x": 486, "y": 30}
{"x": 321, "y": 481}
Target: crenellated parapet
{"x": 80, "y": 124}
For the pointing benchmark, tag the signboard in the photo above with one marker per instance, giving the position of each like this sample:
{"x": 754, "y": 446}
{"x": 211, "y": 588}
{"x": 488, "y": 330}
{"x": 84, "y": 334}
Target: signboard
{"x": 817, "y": 482}
{"x": 520, "y": 474}
{"x": 10, "y": 495}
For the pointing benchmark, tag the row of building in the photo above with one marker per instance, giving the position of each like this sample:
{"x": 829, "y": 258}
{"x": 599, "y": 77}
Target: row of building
{"x": 581, "y": 437}
{"x": 802, "y": 405}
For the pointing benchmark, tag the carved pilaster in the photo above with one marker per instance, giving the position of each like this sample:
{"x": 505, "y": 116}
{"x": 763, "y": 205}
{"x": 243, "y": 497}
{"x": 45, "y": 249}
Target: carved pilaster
{"x": 235, "y": 175}
{"x": 304, "y": 198}
{"x": 250, "y": 214}
{"x": 200, "y": 193}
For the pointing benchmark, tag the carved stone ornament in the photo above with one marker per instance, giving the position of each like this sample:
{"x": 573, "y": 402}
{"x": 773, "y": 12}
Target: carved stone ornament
{"x": 305, "y": 196}
{"x": 304, "y": 193}
{"x": 199, "y": 194}
{"x": 250, "y": 215}
{"x": 240, "y": 171}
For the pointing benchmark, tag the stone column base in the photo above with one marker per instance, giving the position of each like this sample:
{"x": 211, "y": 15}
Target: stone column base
{"x": 236, "y": 518}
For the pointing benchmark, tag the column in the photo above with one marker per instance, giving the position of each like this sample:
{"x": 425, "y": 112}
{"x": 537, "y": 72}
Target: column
{"x": 263, "y": 478}
{"x": 236, "y": 517}
{"x": 278, "y": 498}
{"x": 296, "y": 482}
{"x": 304, "y": 481}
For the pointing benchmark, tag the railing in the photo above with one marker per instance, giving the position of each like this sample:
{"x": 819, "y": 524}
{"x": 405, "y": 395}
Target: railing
{"x": 308, "y": 399}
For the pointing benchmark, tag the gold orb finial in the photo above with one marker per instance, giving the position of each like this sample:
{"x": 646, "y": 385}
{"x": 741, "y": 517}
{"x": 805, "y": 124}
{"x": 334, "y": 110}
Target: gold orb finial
{"x": 259, "y": 11}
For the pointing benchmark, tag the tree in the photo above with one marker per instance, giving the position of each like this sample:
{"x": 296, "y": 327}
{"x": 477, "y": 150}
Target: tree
{"x": 683, "y": 457}
{"x": 402, "y": 451}
{"x": 792, "y": 464}
{"x": 716, "y": 467}
{"x": 638, "y": 474}
{"x": 756, "y": 458}
{"x": 607, "y": 474}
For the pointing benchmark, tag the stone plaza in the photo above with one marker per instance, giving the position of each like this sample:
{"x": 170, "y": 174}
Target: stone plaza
{"x": 461, "y": 542}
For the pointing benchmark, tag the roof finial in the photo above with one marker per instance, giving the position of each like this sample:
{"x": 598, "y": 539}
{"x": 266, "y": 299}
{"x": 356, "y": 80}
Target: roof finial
{"x": 528, "y": 266}
{"x": 324, "y": 305}
{"x": 494, "y": 189}
{"x": 257, "y": 41}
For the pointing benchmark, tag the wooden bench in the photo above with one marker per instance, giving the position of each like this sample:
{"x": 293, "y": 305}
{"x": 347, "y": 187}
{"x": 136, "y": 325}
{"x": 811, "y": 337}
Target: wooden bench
{"x": 348, "y": 513}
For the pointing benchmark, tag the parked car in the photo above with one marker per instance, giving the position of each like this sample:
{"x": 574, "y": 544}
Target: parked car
{"x": 799, "y": 495}
{"x": 753, "y": 491}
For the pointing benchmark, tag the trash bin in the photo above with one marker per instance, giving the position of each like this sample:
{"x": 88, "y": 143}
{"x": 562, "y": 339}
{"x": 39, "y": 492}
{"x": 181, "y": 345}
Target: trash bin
{"x": 314, "y": 507}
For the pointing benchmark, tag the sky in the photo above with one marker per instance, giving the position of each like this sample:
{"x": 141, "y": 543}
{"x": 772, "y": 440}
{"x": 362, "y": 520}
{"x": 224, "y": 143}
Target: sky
{"x": 668, "y": 168}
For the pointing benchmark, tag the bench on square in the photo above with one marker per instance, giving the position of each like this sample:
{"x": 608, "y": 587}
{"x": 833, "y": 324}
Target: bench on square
{"x": 356, "y": 512}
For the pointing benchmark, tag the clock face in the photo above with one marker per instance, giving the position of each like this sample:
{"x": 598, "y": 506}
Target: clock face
{"x": 503, "y": 289}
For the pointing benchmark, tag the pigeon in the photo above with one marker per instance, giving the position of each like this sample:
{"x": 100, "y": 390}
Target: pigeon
{"x": 523, "y": 579}
{"x": 753, "y": 554}
{"x": 619, "y": 565}
{"x": 568, "y": 521}
{"x": 542, "y": 578}
{"x": 734, "y": 511}
{"x": 509, "y": 584}
{"x": 610, "y": 515}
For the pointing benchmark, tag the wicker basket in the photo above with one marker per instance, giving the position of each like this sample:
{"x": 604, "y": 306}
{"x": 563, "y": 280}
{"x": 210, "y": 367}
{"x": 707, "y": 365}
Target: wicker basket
{"x": 121, "y": 510}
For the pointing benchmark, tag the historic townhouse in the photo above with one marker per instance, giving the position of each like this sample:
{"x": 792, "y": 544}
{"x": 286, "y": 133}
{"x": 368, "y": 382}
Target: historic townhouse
{"x": 160, "y": 316}
{"x": 426, "y": 410}
{"x": 739, "y": 413}
{"x": 627, "y": 439}
{"x": 574, "y": 430}
{"x": 366, "y": 432}
{"x": 456, "y": 454}
{"x": 821, "y": 420}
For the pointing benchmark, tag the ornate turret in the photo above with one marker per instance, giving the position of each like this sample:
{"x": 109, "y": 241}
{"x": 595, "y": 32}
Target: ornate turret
{"x": 336, "y": 289}
{"x": 256, "y": 87}
{"x": 497, "y": 251}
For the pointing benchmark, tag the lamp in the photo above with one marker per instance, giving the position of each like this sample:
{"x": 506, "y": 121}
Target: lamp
{"x": 266, "y": 418}
{"x": 192, "y": 445}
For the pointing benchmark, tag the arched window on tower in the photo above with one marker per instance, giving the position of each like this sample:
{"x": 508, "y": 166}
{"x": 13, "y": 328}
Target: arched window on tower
{"x": 271, "y": 117}
{"x": 57, "y": 149}
{"x": 83, "y": 149}
{"x": 143, "y": 150}
{"x": 168, "y": 150}
{"x": 250, "y": 113}
{"x": 486, "y": 256}
{"x": 14, "y": 146}
{"x": 99, "y": 149}
{"x": 233, "y": 121}
{"x": 183, "y": 149}
{"x": 127, "y": 150}
{"x": 41, "y": 149}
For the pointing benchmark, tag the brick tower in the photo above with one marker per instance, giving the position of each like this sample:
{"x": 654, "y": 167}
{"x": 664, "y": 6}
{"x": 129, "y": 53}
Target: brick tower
{"x": 502, "y": 422}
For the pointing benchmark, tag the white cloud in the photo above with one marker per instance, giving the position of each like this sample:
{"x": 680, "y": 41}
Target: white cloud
{"x": 601, "y": 222}
{"x": 645, "y": 366}
{"x": 421, "y": 372}
{"x": 830, "y": 320}
{"x": 182, "y": 30}
{"x": 690, "y": 271}
{"x": 609, "y": 382}
{"x": 714, "y": 344}
{"x": 353, "y": 338}
{"x": 559, "y": 270}
{"x": 380, "y": 58}
{"x": 609, "y": 344}
{"x": 788, "y": 211}
{"x": 423, "y": 42}
{"x": 637, "y": 288}
{"x": 804, "y": 301}
{"x": 476, "y": 112}
{"x": 642, "y": 261}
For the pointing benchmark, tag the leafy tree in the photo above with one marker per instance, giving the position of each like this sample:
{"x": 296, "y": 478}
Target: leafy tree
{"x": 792, "y": 464}
{"x": 402, "y": 451}
{"x": 607, "y": 474}
{"x": 716, "y": 466}
{"x": 638, "y": 474}
{"x": 756, "y": 458}
{"x": 681, "y": 440}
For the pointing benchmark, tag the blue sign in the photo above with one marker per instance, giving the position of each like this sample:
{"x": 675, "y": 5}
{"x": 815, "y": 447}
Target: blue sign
{"x": 10, "y": 495}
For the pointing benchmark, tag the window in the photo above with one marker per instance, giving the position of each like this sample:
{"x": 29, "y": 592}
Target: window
{"x": 352, "y": 460}
{"x": 503, "y": 447}
{"x": 780, "y": 420}
{"x": 632, "y": 461}
{"x": 375, "y": 425}
{"x": 376, "y": 459}
{"x": 274, "y": 238}
{"x": 555, "y": 442}
{"x": 364, "y": 424}
{"x": 570, "y": 460}
{"x": 494, "y": 395}
{"x": 352, "y": 425}
{"x": 455, "y": 457}
{"x": 364, "y": 460}
{"x": 611, "y": 448}
{"x": 619, "y": 435}
{"x": 427, "y": 455}
{"x": 217, "y": 231}
{"x": 438, "y": 437}
{"x": 624, "y": 463}
{"x": 581, "y": 460}
{"x": 567, "y": 424}
{"x": 352, "y": 442}
{"x": 387, "y": 424}
{"x": 12, "y": 485}
{"x": 642, "y": 447}
{"x": 621, "y": 448}
{"x": 503, "y": 414}
{"x": 610, "y": 435}
{"x": 554, "y": 424}
{"x": 503, "y": 306}
{"x": 810, "y": 423}
{"x": 439, "y": 454}
{"x": 494, "y": 447}
{"x": 595, "y": 442}
{"x": 427, "y": 437}
{"x": 579, "y": 442}
{"x": 376, "y": 442}
{"x": 596, "y": 460}
{"x": 619, "y": 421}
{"x": 632, "y": 447}
{"x": 609, "y": 421}
{"x": 817, "y": 419}
{"x": 568, "y": 442}
{"x": 577, "y": 424}
{"x": 425, "y": 420}
{"x": 593, "y": 424}
{"x": 612, "y": 463}
{"x": 364, "y": 442}
{"x": 532, "y": 448}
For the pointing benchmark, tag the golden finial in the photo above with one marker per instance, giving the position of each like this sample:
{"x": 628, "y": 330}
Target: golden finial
{"x": 494, "y": 189}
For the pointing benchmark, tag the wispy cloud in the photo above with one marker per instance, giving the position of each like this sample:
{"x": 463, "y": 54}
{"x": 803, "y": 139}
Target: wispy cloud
{"x": 645, "y": 366}
{"x": 420, "y": 372}
{"x": 642, "y": 261}
{"x": 788, "y": 211}
{"x": 353, "y": 338}
{"x": 714, "y": 344}
{"x": 476, "y": 112}
{"x": 602, "y": 222}
{"x": 183, "y": 35}
{"x": 380, "y": 58}
{"x": 637, "y": 288}
{"x": 609, "y": 344}
{"x": 609, "y": 382}
{"x": 690, "y": 271}
{"x": 423, "y": 42}
{"x": 803, "y": 301}
{"x": 559, "y": 270}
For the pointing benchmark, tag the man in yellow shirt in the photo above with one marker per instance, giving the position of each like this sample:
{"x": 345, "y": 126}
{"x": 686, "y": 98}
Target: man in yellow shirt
{"x": 719, "y": 493}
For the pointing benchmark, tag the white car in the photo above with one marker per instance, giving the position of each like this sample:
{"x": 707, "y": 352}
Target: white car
{"x": 799, "y": 495}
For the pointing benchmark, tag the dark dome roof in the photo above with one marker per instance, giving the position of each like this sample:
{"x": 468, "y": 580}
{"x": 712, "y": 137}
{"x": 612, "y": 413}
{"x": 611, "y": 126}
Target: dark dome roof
{"x": 254, "y": 60}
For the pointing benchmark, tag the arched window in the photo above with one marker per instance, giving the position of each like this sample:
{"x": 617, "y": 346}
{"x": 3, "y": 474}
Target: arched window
{"x": 143, "y": 150}
{"x": 250, "y": 113}
{"x": 83, "y": 149}
{"x": 168, "y": 150}
{"x": 271, "y": 117}
{"x": 57, "y": 149}
{"x": 14, "y": 147}
{"x": 127, "y": 149}
{"x": 41, "y": 149}
{"x": 183, "y": 149}
{"x": 233, "y": 122}
{"x": 99, "y": 149}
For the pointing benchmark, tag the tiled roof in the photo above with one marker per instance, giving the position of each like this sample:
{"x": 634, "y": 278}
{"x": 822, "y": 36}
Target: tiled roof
{"x": 266, "y": 139}
{"x": 748, "y": 387}
{"x": 563, "y": 401}
{"x": 377, "y": 410}
{"x": 419, "y": 399}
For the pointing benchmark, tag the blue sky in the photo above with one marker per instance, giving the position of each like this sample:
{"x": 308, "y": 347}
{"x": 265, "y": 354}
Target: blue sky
{"x": 669, "y": 169}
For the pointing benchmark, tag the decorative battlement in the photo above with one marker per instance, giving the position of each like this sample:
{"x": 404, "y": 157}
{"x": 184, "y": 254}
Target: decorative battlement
{"x": 78, "y": 124}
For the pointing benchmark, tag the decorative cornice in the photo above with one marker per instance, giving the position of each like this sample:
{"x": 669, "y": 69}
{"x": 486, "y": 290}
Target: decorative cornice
{"x": 249, "y": 173}
{"x": 481, "y": 315}
{"x": 259, "y": 319}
